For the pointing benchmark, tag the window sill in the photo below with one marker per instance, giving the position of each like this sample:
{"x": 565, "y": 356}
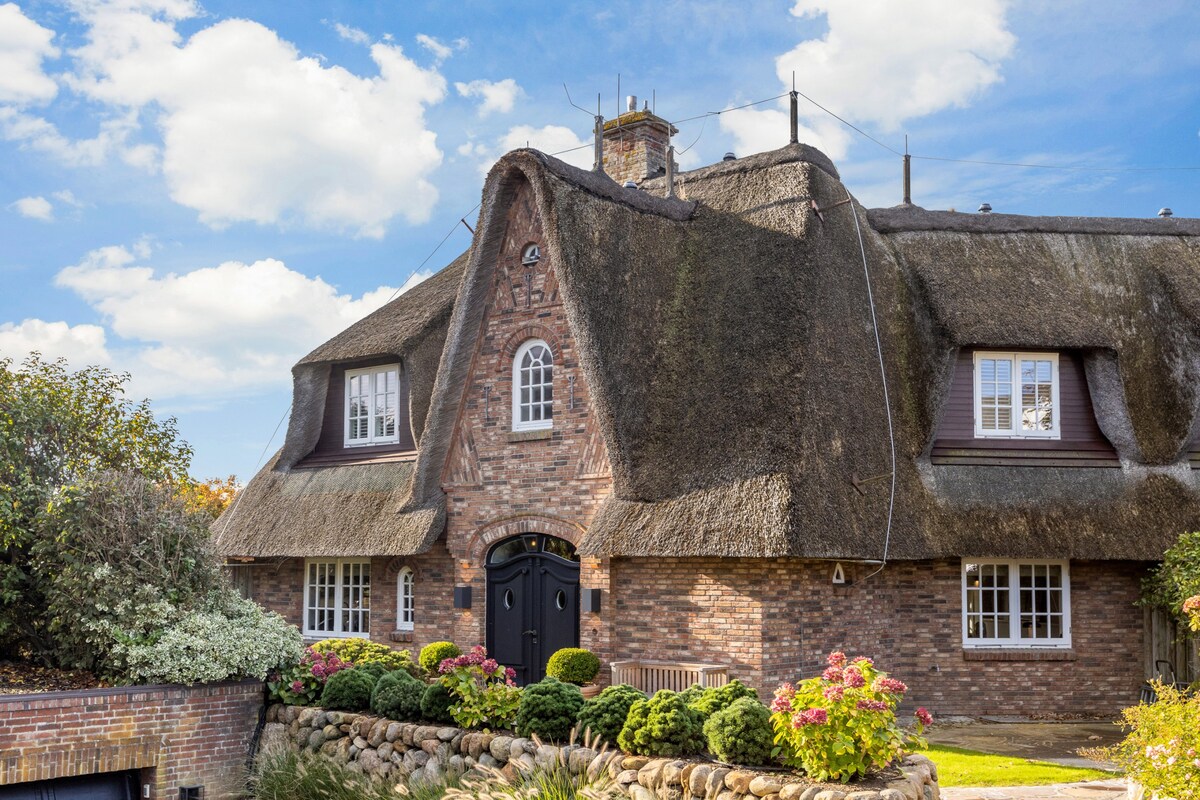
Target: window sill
{"x": 1017, "y": 654}
{"x": 401, "y": 636}
{"x": 530, "y": 436}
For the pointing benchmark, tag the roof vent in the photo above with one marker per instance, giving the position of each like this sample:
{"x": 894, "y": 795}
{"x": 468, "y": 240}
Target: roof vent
{"x": 985, "y": 208}
{"x": 630, "y": 184}
{"x": 631, "y": 102}
{"x": 1165, "y": 212}
{"x": 729, "y": 157}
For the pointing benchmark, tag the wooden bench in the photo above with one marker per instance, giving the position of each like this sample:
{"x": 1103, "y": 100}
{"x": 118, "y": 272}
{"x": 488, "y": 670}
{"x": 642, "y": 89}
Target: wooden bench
{"x": 650, "y": 676}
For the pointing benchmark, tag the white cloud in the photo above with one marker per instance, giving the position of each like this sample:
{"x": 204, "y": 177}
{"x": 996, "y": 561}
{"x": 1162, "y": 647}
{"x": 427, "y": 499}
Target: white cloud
{"x": 440, "y": 51}
{"x": 34, "y": 208}
{"x": 759, "y": 131}
{"x": 495, "y": 96}
{"x": 82, "y": 345}
{"x": 351, "y": 34}
{"x": 550, "y": 139}
{"x": 885, "y": 62}
{"x": 251, "y": 129}
{"x": 211, "y": 332}
{"x": 23, "y": 46}
{"x": 67, "y": 197}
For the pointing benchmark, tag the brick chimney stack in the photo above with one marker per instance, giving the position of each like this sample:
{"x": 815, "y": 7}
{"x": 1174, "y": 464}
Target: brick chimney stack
{"x": 635, "y": 145}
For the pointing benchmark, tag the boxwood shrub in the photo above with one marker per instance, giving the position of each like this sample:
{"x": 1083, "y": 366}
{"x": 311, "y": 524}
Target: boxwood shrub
{"x": 715, "y": 698}
{"x": 436, "y": 702}
{"x": 741, "y": 733}
{"x": 348, "y": 690}
{"x": 573, "y": 665}
{"x": 604, "y": 715}
{"x": 435, "y": 653}
{"x": 662, "y": 726}
{"x": 397, "y": 695}
{"x": 548, "y": 709}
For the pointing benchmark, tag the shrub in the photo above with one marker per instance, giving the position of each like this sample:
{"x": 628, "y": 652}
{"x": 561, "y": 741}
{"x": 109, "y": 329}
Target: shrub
{"x": 433, "y": 654}
{"x": 375, "y": 668}
{"x": 228, "y": 637}
{"x": 604, "y": 715}
{"x": 740, "y": 733}
{"x": 842, "y": 724}
{"x": 302, "y": 683}
{"x": 548, "y": 709}
{"x": 436, "y": 702}
{"x": 397, "y": 695}
{"x": 573, "y": 665}
{"x": 359, "y": 651}
{"x": 348, "y": 690}
{"x": 1162, "y": 749}
{"x": 715, "y": 698}
{"x": 486, "y": 696}
{"x": 662, "y": 726}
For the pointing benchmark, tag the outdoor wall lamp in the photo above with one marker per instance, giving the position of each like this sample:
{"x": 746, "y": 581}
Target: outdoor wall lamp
{"x": 462, "y": 596}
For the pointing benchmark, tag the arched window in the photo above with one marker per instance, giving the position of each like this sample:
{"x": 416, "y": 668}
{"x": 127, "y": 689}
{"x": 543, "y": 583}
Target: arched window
{"x": 533, "y": 386}
{"x": 404, "y": 600}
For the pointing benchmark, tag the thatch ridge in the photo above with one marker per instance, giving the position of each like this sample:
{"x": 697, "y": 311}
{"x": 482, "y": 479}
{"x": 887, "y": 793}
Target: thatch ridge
{"x": 903, "y": 218}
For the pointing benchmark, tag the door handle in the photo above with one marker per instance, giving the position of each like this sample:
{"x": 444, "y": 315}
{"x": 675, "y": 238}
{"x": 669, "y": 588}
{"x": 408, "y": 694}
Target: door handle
{"x": 532, "y": 633}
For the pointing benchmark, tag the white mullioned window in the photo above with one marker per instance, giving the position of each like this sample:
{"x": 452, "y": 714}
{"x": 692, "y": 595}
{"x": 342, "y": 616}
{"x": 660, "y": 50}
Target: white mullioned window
{"x": 1016, "y": 603}
{"x": 1016, "y": 395}
{"x": 533, "y": 386}
{"x": 372, "y": 396}
{"x": 337, "y": 597}
{"x": 405, "y": 605}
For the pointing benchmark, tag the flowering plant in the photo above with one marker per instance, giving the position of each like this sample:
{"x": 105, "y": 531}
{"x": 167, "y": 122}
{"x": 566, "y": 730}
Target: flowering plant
{"x": 842, "y": 724}
{"x": 484, "y": 691}
{"x": 302, "y": 684}
{"x": 1162, "y": 750}
{"x": 1191, "y": 610}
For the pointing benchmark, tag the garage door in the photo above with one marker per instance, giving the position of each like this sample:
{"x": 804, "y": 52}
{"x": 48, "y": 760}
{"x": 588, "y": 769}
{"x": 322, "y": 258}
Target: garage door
{"x": 107, "y": 786}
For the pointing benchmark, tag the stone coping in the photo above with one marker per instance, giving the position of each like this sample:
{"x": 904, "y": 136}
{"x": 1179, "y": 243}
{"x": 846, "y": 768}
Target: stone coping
{"x": 102, "y": 691}
{"x": 419, "y": 753}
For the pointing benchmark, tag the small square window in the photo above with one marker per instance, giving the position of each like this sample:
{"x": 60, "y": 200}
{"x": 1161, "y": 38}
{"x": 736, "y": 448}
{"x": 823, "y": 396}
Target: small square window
{"x": 1016, "y": 604}
{"x": 1016, "y": 395}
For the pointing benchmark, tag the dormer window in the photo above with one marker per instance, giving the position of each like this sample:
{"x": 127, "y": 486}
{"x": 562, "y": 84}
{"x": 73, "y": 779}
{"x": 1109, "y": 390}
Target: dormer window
{"x": 531, "y": 255}
{"x": 533, "y": 386}
{"x": 1016, "y": 395}
{"x": 372, "y": 397}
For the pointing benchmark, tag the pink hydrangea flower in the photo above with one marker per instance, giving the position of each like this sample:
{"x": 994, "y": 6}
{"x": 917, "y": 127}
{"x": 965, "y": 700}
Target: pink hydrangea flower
{"x": 864, "y": 661}
{"x": 810, "y": 716}
{"x": 1192, "y": 605}
{"x": 889, "y": 686}
{"x": 872, "y": 705}
{"x": 834, "y": 693}
{"x": 836, "y": 659}
{"x": 781, "y": 705}
{"x": 833, "y": 674}
{"x": 318, "y": 671}
{"x": 510, "y": 673}
{"x": 854, "y": 678}
{"x": 489, "y": 665}
{"x": 923, "y": 716}
{"x": 297, "y": 686}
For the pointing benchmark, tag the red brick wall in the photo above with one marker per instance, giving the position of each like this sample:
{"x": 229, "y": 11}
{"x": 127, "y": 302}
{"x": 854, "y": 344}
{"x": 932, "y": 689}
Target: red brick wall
{"x": 279, "y": 586}
{"x": 176, "y": 735}
{"x": 498, "y": 483}
{"x": 773, "y": 620}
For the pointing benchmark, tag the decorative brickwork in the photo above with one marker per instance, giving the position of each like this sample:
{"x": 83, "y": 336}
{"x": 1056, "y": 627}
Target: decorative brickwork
{"x": 176, "y": 735}
{"x": 635, "y": 146}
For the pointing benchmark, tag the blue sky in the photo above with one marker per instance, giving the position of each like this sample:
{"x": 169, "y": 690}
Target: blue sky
{"x": 199, "y": 193}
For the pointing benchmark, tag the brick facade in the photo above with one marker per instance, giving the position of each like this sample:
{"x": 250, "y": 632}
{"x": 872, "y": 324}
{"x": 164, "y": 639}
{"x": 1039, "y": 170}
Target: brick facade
{"x": 174, "y": 735}
{"x": 635, "y": 146}
{"x": 773, "y": 620}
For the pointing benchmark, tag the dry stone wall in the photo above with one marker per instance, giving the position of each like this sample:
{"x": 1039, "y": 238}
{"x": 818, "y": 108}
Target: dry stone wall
{"x": 417, "y": 753}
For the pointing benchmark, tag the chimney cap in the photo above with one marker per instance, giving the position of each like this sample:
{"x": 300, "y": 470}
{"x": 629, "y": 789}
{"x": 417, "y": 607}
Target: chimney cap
{"x": 729, "y": 157}
{"x": 985, "y": 208}
{"x": 1165, "y": 212}
{"x": 631, "y": 103}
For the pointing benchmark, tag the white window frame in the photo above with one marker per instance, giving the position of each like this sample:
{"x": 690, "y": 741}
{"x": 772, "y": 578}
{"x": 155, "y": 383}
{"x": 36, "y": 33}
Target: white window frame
{"x": 338, "y": 607}
{"x": 406, "y": 605}
{"x": 537, "y": 424}
{"x": 371, "y": 437}
{"x": 1015, "y": 640}
{"x": 1015, "y": 431}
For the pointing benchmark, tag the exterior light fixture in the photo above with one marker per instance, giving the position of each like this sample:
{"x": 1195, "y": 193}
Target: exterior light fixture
{"x": 462, "y": 596}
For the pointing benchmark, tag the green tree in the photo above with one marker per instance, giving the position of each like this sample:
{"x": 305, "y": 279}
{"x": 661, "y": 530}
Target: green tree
{"x": 57, "y": 429}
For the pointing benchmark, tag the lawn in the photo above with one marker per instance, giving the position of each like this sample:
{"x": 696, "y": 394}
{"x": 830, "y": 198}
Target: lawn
{"x": 958, "y": 767}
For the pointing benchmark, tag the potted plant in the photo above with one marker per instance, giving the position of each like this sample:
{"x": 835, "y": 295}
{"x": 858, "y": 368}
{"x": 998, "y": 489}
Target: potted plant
{"x": 578, "y": 666}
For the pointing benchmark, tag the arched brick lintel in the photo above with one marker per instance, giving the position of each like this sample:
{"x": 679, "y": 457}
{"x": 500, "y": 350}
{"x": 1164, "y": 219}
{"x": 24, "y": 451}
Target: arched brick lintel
{"x": 487, "y": 535}
{"x": 532, "y": 331}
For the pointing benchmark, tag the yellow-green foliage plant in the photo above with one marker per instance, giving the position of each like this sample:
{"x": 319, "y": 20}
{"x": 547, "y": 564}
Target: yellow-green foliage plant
{"x": 1162, "y": 750}
{"x": 359, "y": 651}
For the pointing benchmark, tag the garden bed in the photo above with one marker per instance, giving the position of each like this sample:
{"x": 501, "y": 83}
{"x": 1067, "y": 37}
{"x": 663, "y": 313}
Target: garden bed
{"x": 22, "y": 677}
{"x": 418, "y": 753}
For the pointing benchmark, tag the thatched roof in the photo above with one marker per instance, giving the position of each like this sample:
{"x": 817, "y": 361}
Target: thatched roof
{"x": 328, "y": 511}
{"x": 728, "y": 345}
{"x": 349, "y": 510}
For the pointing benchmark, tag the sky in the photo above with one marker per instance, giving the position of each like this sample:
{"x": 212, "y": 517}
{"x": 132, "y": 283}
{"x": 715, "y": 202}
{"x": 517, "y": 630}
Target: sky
{"x": 199, "y": 193}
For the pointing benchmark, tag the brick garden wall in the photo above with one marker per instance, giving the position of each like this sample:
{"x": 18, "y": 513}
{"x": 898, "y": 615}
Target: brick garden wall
{"x": 773, "y": 620}
{"x": 176, "y": 735}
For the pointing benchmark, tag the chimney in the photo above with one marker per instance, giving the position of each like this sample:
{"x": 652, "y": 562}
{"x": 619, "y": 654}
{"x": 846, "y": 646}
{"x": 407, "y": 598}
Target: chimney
{"x": 635, "y": 144}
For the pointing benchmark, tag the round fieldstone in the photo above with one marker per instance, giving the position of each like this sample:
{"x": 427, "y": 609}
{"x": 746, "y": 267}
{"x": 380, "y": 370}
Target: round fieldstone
{"x": 315, "y": 740}
{"x": 517, "y": 748}
{"x": 829, "y": 794}
{"x": 500, "y": 748}
{"x": 739, "y": 781}
{"x": 763, "y": 785}
{"x": 698, "y": 780}
{"x": 307, "y": 716}
{"x": 369, "y": 760}
{"x": 716, "y": 781}
{"x": 447, "y": 734}
{"x": 393, "y": 731}
{"x": 637, "y": 792}
{"x": 488, "y": 760}
{"x": 378, "y": 733}
{"x": 384, "y": 750}
{"x": 546, "y": 756}
{"x": 672, "y": 773}
{"x": 792, "y": 791}
{"x": 627, "y": 777}
{"x": 361, "y": 743}
{"x": 650, "y": 775}
{"x": 634, "y": 762}
{"x": 580, "y": 759}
